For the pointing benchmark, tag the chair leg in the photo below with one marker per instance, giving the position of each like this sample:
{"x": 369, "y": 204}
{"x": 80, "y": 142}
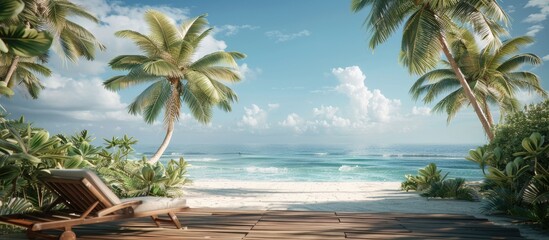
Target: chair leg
{"x": 155, "y": 219}
{"x": 68, "y": 234}
{"x": 175, "y": 220}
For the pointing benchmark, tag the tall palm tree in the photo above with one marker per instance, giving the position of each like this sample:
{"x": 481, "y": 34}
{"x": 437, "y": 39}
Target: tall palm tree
{"x": 494, "y": 73}
{"x": 424, "y": 34}
{"x": 71, "y": 41}
{"x": 26, "y": 73}
{"x": 175, "y": 78}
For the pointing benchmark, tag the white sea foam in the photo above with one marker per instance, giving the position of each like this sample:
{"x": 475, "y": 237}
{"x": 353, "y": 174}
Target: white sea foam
{"x": 202, "y": 159}
{"x": 347, "y": 168}
{"x": 321, "y": 154}
{"x": 266, "y": 170}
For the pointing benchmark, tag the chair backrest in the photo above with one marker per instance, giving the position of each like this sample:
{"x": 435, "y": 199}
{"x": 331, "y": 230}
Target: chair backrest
{"x": 80, "y": 189}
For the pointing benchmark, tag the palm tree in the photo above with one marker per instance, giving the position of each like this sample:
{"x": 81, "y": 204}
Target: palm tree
{"x": 424, "y": 34}
{"x": 492, "y": 72}
{"x": 168, "y": 64}
{"x": 26, "y": 73}
{"x": 71, "y": 41}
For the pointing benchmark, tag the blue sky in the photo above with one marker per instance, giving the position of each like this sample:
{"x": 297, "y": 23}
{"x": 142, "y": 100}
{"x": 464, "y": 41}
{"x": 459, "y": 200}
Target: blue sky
{"x": 309, "y": 78}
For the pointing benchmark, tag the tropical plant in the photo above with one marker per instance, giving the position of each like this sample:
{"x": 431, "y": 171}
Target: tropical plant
{"x": 140, "y": 178}
{"x": 168, "y": 64}
{"x": 450, "y": 188}
{"x": 424, "y": 35}
{"x": 426, "y": 176}
{"x": 517, "y": 127}
{"x": 25, "y": 74}
{"x": 491, "y": 71}
{"x": 70, "y": 41}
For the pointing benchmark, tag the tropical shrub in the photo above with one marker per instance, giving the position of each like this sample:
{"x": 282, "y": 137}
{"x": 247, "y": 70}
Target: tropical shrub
{"x": 432, "y": 184}
{"x": 517, "y": 178}
{"x": 450, "y": 188}
{"x": 426, "y": 176}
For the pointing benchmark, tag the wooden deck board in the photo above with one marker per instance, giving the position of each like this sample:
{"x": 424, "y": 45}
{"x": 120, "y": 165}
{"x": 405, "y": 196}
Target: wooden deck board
{"x": 261, "y": 225}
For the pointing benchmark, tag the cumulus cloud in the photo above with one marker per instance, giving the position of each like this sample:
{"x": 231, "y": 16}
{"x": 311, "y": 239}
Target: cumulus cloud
{"x": 421, "y": 111}
{"x": 329, "y": 118}
{"x": 247, "y": 72}
{"x": 254, "y": 118}
{"x": 546, "y": 57}
{"x": 367, "y": 105}
{"x": 295, "y": 122}
{"x": 231, "y": 30}
{"x": 68, "y": 97}
{"x": 280, "y": 36}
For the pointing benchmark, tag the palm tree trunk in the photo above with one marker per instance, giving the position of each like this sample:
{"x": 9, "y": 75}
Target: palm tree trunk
{"x": 164, "y": 145}
{"x": 468, "y": 92}
{"x": 11, "y": 70}
{"x": 488, "y": 113}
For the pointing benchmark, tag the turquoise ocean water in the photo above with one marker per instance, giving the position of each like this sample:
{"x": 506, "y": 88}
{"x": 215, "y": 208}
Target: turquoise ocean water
{"x": 317, "y": 163}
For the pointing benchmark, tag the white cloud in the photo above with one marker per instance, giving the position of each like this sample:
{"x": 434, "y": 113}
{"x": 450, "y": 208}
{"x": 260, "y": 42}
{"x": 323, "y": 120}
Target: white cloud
{"x": 329, "y": 117}
{"x": 247, "y": 72}
{"x": 528, "y": 97}
{"x": 295, "y": 122}
{"x": 543, "y": 6}
{"x": 283, "y": 37}
{"x": 546, "y": 57}
{"x": 273, "y": 106}
{"x": 69, "y": 96}
{"x": 231, "y": 30}
{"x": 421, "y": 111}
{"x": 254, "y": 118}
{"x": 511, "y": 9}
{"x": 533, "y": 30}
{"x": 367, "y": 105}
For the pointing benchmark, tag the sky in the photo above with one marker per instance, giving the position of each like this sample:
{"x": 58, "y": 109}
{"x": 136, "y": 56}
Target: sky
{"x": 309, "y": 78}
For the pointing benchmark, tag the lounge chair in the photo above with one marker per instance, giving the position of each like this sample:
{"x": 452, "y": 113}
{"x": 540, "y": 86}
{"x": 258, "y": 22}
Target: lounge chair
{"x": 88, "y": 201}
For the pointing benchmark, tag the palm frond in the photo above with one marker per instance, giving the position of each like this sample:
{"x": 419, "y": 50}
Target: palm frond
{"x": 517, "y": 61}
{"x": 148, "y": 45}
{"x": 203, "y": 83}
{"x": 198, "y": 103}
{"x": 419, "y": 52}
{"x": 163, "y": 31}
{"x": 127, "y": 62}
{"x": 151, "y": 101}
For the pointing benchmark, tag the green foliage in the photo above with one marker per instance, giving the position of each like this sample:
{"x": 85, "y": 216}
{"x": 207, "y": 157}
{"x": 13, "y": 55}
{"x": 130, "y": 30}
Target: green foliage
{"x": 25, "y": 151}
{"x": 517, "y": 182}
{"x": 426, "y": 176}
{"x": 431, "y": 183}
{"x": 450, "y": 188}
{"x": 518, "y": 126}
{"x": 140, "y": 178}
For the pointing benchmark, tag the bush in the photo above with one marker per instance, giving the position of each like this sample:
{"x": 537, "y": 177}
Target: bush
{"x": 517, "y": 178}
{"x": 431, "y": 183}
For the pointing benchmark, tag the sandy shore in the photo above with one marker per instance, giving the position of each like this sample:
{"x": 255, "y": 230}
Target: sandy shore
{"x": 328, "y": 196}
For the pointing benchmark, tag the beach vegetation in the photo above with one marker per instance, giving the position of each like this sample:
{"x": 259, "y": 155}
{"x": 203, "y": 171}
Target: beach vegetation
{"x": 27, "y": 151}
{"x": 425, "y": 36}
{"x": 174, "y": 76}
{"x": 432, "y": 184}
{"x": 492, "y": 72}
{"x": 516, "y": 182}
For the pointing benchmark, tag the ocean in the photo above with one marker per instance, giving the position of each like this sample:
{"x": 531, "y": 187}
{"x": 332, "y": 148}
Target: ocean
{"x": 317, "y": 163}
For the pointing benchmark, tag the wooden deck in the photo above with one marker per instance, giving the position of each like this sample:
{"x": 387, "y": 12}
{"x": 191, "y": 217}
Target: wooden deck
{"x": 261, "y": 225}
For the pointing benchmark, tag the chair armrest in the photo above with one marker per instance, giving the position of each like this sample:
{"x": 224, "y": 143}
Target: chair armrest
{"x": 115, "y": 208}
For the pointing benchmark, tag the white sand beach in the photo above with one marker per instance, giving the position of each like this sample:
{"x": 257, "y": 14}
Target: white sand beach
{"x": 329, "y": 196}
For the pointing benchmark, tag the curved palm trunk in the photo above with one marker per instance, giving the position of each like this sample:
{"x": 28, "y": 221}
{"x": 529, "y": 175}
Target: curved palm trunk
{"x": 468, "y": 92}
{"x": 10, "y": 72}
{"x": 164, "y": 145}
{"x": 488, "y": 113}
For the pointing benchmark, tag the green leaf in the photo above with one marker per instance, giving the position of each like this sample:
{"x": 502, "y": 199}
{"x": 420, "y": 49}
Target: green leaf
{"x": 25, "y": 42}
{"x": 8, "y": 173}
{"x": 10, "y": 8}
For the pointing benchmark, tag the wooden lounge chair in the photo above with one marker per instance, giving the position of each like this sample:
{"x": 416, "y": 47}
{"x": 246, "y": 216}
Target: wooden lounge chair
{"x": 88, "y": 201}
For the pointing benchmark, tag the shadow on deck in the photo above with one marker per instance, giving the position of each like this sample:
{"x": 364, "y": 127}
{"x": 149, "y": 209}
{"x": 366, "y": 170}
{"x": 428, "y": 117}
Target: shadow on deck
{"x": 256, "y": 225}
